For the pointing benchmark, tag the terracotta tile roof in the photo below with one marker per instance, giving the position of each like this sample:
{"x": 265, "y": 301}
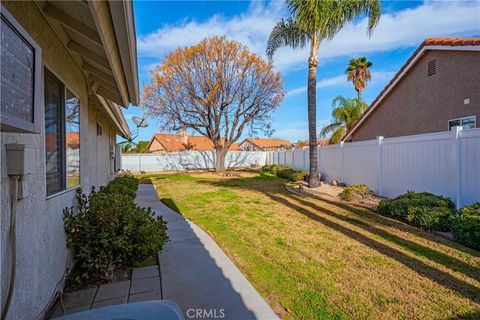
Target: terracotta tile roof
{"x": 323, "y": 143}
{"x": 447, "y": 42}
{"x": 320, "y": 143}
{"x": 235, "y": 147}
{"x": 173, "y": 142}
{"x": 201, "y": 143}
{"x": 268, "y": 144}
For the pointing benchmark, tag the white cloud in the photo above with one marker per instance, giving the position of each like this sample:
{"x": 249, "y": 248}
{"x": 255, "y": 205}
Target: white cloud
{"x": 250, "y": 28}
{"x": 404, "y": 28}
{"x": 377, "y": 77}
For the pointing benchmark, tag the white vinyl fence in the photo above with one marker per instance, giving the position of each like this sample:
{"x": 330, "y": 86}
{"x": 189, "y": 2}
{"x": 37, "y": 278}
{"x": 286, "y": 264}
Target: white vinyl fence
{"x": 189, "y": 160}
{"x": 443, "y": 163}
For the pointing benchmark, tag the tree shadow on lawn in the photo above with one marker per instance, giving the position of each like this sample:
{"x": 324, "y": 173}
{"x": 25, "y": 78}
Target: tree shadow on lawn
{"x": 421, "y": 250}
{"x": 250, "y": 183}
{"x": 474, "y": 315}
{"x": 390, "y": 222}
{"x": 442, "y": 278}
{"x": 463, "y": 288}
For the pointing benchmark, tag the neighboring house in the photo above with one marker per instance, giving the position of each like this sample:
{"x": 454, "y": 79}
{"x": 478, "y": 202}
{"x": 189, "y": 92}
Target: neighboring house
{"x": 65, "y": 69}
{"x": 435, "y": 90}
{"x": 320, "y": 143}
{"x": 162, "y": 142}
{"x": 259, "y": 144}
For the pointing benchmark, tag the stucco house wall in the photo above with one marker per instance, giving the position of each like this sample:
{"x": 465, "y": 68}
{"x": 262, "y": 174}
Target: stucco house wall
{"x": 422, "y": 104}
{"x": 156, "y": 147}
{"x": 248, "y": 146}
{"x": 41, "y": 252}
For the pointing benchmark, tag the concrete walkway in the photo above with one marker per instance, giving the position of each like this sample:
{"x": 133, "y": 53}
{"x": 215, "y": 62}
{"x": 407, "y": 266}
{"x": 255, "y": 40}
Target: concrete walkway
{"x": 196, "y": 273}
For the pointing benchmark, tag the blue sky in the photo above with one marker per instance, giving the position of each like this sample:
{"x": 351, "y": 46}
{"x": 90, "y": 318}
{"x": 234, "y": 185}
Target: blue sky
{"x": 162, "y": 26}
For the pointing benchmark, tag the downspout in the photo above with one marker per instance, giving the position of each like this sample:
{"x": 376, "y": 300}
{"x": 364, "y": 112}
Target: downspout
{"x": 13, "y": 244}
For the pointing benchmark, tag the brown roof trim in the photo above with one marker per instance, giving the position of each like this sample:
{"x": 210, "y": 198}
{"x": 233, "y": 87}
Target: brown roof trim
{"x": 427, "y": 44}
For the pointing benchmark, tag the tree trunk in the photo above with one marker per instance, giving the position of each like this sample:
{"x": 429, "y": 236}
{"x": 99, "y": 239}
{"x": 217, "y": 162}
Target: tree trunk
{"x": 220, "y": 161}
{"x": 359, "y": 96}
{"x": 313, "y": 177}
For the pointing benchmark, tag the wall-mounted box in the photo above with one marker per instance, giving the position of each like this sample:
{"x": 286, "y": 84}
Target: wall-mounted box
{"x": 21, "y": 90}
{"x": 20, "y": 159}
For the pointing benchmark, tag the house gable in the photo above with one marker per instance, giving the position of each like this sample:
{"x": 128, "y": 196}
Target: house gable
{"x": 415, "y": 102}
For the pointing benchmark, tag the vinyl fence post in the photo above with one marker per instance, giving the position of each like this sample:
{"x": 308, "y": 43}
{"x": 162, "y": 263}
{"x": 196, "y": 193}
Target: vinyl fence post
{"x": 319, "y": 161}
{"x": 304, "y": 160}
{"x": 380, "y": 165}
{"x": 455, "y": 165}
{"x": 139, "y": 163}
{"x": 342, "y": 163}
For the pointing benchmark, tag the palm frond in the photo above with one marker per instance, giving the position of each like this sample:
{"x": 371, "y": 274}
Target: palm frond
{"x": 337, "y": 135}
{"x": 326, "y": 130}
{"x": 285, "y": 33}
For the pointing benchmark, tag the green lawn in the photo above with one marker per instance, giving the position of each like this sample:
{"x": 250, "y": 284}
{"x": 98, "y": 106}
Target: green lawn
{"x": 312, "y": 259}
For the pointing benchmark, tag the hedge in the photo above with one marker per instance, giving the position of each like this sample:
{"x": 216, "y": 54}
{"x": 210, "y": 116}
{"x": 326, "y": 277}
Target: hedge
{"x": 420, "y": 209}
{"x": 107, "y": 230}
{"x": 466, "y": 226}
{"x": 285, "y": 172}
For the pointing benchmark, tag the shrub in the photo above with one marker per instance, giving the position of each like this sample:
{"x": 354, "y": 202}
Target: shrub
{"x": 355, "y": 191}
{"x": 466, "y": 226}
{"x": 125, "y": 184}
{"x": 108, "y": 230}
{"x": 430, "y": 218}
{"x": 421, "y": 209}
{"x": 285, "y": 172}
{"x": 267, "y": 167}
{"x": 275, "y": 168}
{"x": 290, "y": 174}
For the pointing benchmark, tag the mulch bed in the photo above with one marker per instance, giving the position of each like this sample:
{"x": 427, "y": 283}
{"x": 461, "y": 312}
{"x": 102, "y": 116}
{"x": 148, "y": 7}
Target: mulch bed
{"x": 329, "y": 192}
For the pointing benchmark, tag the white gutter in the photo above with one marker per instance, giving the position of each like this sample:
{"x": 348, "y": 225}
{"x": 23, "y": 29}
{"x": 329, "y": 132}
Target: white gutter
{"x": 101, "y": 14}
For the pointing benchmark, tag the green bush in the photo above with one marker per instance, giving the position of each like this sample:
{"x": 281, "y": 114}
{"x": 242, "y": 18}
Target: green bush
{"x": 466, "y": 226}
{"x": 108, "y": 230}
{"x": 275, "y": 168}
{"x": 421, "y": 209}
{"x": 125, "y": 184}
{"x": 290, "y": 174}
{"x": 285, "y": 172}
{"x": 355, "y": 191}
{"x": 430, "y": 218}
{"x": 267, "y": 167}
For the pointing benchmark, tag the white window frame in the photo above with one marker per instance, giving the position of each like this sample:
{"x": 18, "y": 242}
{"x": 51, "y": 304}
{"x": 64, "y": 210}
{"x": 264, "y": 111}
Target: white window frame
{"x": 461, "y": 119}
{"x": 10, "y": 123}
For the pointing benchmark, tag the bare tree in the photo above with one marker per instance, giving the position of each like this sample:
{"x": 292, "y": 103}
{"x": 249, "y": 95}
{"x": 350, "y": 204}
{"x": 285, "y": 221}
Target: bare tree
{"x": 217, "y": 88}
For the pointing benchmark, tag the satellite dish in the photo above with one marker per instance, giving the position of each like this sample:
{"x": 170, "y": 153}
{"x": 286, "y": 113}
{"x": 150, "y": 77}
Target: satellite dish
{"x": 139, "y": 122}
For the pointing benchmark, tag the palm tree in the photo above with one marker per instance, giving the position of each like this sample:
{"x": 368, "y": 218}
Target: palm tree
{"x": 127, "y": 147}
{"x": 314, "y": 21}
{"x": 345, "y": 113}
{"x": 358, "y": 71}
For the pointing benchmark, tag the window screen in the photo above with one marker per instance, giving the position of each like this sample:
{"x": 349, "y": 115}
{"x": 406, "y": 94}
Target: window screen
{"x": 54, "y": 137}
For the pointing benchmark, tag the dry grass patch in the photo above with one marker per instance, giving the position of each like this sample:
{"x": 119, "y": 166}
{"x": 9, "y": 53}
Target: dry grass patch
{"x": 314, "y": 259}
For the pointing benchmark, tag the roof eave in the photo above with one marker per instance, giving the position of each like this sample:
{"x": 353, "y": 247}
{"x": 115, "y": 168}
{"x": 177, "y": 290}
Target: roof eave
{"x": 400, "y": 76}
{"x": 117, "y": 34}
